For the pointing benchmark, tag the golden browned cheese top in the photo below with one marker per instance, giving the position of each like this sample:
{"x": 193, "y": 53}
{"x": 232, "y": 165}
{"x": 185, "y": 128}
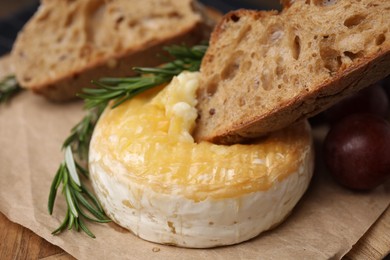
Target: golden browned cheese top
{"x": 149, "y": 140}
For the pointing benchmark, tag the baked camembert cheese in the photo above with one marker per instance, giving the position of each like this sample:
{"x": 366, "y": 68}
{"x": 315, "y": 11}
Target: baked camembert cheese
{"x": 153, "y": 179}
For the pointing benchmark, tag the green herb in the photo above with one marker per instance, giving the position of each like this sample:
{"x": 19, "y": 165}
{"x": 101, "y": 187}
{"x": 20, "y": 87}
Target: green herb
{"x": 122, "y": 89}
{"x": 81, "y": 133}
{"x": 8, "y": 87}
{"x": 78, "y": 198}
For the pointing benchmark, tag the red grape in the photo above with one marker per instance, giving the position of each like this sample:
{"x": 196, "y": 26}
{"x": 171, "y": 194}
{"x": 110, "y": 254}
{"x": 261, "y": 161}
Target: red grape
{"x": 357, "y": 151}
{"x": 372, "y": 99}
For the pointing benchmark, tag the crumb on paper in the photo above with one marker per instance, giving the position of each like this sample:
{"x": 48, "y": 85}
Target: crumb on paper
{"x": 156, "y": 249}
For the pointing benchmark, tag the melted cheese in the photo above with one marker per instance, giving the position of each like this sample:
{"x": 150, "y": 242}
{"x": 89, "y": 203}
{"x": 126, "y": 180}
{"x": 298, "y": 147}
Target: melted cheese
{"x": 152, "y": 178}
{"x": 150, "y": 136}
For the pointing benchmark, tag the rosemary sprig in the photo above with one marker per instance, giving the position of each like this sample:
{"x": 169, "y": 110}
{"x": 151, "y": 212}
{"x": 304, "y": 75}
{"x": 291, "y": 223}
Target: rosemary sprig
{"x": 121, "y": 89}
{"x": 81, "y": 133}
{"x": 9, "y": 86}
{"x": 77, "y": 197}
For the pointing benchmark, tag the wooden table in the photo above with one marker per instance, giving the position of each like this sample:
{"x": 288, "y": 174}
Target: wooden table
{"x": 18, "y": 242}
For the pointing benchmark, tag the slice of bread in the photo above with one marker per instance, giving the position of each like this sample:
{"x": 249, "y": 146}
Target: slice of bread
{"x": 68, "y": 43}
{"x": 264, "y": 70}
{"x": 6, "y": 67}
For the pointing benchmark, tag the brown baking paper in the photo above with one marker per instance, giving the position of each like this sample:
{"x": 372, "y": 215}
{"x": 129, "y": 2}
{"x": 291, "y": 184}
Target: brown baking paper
{"x": 326, "y": 223}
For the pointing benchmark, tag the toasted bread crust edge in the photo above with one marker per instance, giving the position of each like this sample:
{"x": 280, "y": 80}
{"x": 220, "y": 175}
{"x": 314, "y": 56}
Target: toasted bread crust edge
{"x": 66, "y": 88}
{"x": 354, "y": 78}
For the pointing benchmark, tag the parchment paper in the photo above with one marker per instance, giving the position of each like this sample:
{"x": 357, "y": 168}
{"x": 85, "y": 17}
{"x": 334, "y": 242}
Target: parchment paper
{"x": 327, "y": 222}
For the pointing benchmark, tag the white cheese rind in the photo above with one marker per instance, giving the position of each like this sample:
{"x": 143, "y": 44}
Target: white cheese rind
{"x": 201, "y": 210}
{"x": 175, "y": 219}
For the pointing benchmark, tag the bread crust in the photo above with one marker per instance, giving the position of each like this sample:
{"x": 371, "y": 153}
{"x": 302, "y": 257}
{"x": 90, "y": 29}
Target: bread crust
{"x": 312, "y": 95}
{"x": 66, "y": 87}
{"x": 61, "y": 84}
{"x": 355, "y": 78}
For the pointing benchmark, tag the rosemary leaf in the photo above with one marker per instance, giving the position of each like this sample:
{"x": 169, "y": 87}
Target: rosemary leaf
{"x": 88, "y": 206}
{"x": 85, "y": 229}
{"x": 8, "y": 88}
{"x": 61, "y": 173}
{"x": 93, "y": 219}
{"x": 71, "y": 221}
{"x": 76, "y": 224}
{"x": 82, "y": 170}
{"x": 70, "y": 164}
{"x": 113, "y": 81}
{"x": 74, "y": 186}
{"x": 65, "y": 179}
{"x": 70, "y": 202}
{"x": 92, "y": 198}
{"x": 63, "y": 224}
{"x": 156, "y": 70}
{"x": 53, "y": 190}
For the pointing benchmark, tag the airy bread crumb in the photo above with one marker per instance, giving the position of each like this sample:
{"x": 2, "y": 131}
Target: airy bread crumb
{"x": 68, "y": 43}
{"x": 265, "y": 70}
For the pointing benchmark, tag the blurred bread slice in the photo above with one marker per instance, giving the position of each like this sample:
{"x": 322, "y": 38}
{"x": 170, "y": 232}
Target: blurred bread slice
{"x": 264, "y": 70}
{"x": 66, "y": 44}
{"x": 6, "y": 67}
